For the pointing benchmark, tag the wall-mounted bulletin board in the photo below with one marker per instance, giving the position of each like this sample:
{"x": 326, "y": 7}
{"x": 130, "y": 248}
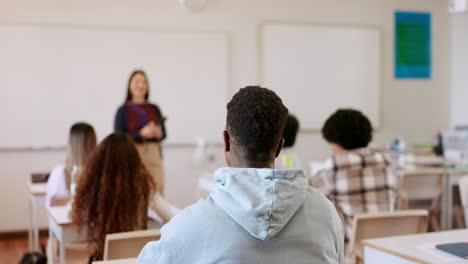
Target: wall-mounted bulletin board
{"x": 318, "y": 68}
{"x": 70, "y": 73}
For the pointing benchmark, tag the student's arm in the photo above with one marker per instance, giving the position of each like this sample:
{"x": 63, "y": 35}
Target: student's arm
{"x": 121, "y": 124}
{"x": 175, "y": 244}
{"x": 323, "y": 182}
{"x": 163, "y": 208}
{"x": 54, "y": 184}
{"x": 321, "y": 177}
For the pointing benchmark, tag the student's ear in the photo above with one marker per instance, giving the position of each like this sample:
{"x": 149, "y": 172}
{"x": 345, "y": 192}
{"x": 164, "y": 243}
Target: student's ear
{"x": 227, "y": 141}
{"x": 280, "y": 147}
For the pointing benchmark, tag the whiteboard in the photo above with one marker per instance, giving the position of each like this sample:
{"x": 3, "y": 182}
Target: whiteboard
{"x": 317, "y": 69}
{"x": 54, "y": 75}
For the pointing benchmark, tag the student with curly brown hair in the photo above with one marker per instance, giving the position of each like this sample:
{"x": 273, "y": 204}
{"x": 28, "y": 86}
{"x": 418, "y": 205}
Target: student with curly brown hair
{"x": 255, "y": 214}
{"x": 114, "y": 192}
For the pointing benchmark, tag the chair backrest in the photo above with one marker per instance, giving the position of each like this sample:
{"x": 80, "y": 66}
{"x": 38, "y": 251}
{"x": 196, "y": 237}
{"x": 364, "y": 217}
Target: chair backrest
{"x": 39, "y": 177}
{"x": 463, "y": 185}
{"x": 128, "y": 244}
{"x": 384, "y": 224}
{"x": 421, "y": 184}
{"x": 60, "y": 201}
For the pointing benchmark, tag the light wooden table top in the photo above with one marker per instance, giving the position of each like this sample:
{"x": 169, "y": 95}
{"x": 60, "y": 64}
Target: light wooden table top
{"x": 37, "y": 188}
{"x": 60, "y": 215}
{"x": 117, "y": 261}
{"x": 409, "y": 246}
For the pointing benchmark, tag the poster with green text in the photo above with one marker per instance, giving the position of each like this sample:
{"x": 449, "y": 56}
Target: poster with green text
{"x": 412, "y": 45}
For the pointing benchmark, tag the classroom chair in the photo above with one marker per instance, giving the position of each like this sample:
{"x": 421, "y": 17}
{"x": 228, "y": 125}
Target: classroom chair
{"x": 422, "y": 185}
{"x": 60, "y": 201}
{"x": 463, "y": 184}
{"x": 384, "y": 224}
{"x": 128, "y": 244}
{"x": 39, "y": 177}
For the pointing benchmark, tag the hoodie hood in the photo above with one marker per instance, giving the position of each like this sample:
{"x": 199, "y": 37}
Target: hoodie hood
{"x": 262, "y": 201}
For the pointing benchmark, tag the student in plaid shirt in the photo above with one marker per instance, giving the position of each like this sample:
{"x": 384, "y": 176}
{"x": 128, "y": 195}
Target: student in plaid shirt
{"x": 356, "y": 179}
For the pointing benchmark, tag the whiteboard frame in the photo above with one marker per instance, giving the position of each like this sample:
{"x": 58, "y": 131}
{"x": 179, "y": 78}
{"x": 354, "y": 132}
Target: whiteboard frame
{"x": 141, "y": 29}
{"x": 260, "y": 72}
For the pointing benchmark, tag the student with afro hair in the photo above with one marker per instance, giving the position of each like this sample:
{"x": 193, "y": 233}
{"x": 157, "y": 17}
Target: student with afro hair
{"x": 356, "y": 179}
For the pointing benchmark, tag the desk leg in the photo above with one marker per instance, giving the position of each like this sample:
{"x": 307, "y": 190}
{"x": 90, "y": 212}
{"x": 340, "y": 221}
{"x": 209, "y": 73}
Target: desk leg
{"x": 450, "y": 203}
{"x": 52, "y": 246}
{"x": 62, "y": 252}
{"x": 447, "y": 203}
{"x": 443, "y": 214}
{"x": 31, "y": 224}
{"x": 35, "y": 223}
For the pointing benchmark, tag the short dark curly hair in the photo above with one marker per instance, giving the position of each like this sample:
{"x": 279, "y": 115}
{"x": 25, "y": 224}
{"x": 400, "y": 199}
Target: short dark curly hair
{"x": 290, "y": 131}
{"x": 348, "y": 128}
{"x": 255, "y": 121}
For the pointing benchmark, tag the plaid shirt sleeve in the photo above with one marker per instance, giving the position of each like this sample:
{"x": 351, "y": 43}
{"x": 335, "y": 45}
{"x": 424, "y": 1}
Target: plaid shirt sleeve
{"x": 322, "y": 179}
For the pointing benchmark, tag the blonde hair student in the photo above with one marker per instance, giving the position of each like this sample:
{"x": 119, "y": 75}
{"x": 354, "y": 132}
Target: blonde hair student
{"x": 81, "y": 143}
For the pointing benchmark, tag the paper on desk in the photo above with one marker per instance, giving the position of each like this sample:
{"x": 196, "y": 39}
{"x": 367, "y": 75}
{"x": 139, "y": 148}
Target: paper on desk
{"x": 441, "y": 255}
{"x": 315, "y": 167}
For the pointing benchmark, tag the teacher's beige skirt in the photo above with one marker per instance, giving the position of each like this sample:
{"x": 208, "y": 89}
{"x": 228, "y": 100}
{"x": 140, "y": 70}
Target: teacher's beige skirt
{"x": 151, "y": 157}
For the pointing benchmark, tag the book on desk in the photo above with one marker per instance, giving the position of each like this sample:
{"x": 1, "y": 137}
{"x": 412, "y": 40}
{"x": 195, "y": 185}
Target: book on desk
{"x": 458, "y": 249}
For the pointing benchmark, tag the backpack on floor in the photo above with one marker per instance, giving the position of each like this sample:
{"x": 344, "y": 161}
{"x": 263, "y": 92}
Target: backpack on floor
{"x": 34, "y": 257}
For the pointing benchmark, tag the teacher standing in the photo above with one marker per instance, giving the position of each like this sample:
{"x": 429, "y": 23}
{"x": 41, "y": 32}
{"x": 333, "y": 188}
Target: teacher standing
{"x": 143, "y": 122}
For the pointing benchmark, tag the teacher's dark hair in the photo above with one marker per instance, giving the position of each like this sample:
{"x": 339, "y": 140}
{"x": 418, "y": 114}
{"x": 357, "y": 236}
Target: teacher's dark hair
{"x": 129, "y": 94}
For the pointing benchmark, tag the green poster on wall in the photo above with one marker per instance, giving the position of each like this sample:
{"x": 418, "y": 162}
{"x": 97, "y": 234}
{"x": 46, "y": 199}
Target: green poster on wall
{"x": 412, "y": 45}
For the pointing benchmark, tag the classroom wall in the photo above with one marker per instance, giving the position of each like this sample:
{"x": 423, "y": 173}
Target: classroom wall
{"x": 459, "y": 55}
{"x": 412, "y": 108}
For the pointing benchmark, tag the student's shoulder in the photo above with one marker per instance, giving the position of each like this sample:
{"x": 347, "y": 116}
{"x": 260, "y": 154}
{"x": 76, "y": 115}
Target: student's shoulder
{"x": 315, "y": 195}
{"x": 57, "y": 175}
{"x": 322, "y": 210}
{"x": 196, "y": 215}
{"x": 58, "y": 170}
{"x": 190, "y": 224}
{"x": 317, "y": 200}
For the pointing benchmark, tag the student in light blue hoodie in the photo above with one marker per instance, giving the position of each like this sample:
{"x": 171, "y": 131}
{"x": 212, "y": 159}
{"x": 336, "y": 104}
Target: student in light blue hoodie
{"x": 255, "y": 214}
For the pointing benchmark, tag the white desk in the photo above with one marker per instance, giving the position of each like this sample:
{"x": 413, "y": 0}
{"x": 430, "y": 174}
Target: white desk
{"x": 412, "y": 248}
{"x": 117, "y": 261}
{"x": 454, "y": 175}
{"x": 61, "y": 227}
{"x": 450, "y": 178}
{"x": 37, "y": 192}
